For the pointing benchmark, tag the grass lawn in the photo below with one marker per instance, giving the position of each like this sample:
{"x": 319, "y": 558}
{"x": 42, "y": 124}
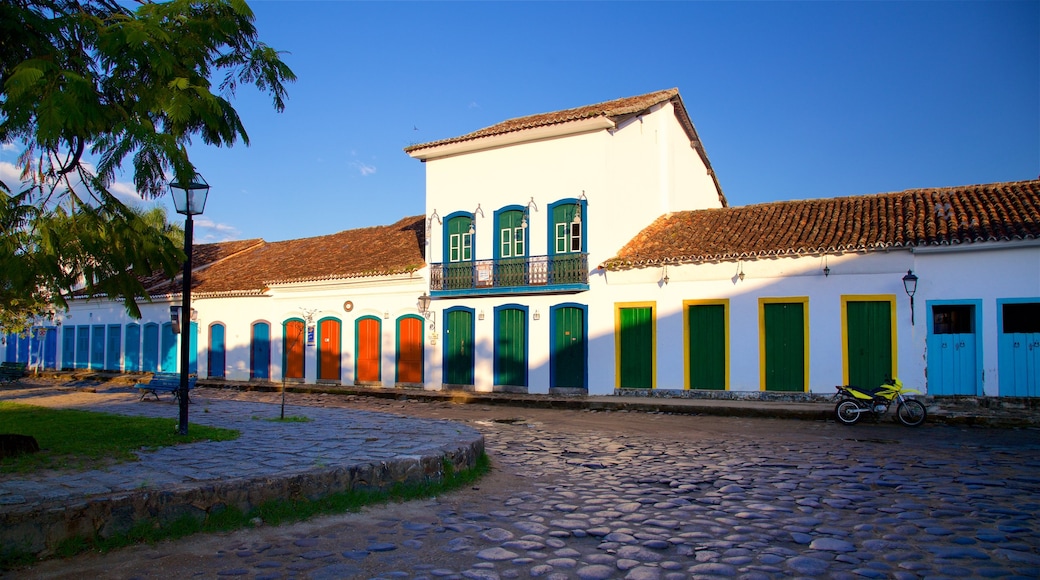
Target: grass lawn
{"x": 71, "y": 439}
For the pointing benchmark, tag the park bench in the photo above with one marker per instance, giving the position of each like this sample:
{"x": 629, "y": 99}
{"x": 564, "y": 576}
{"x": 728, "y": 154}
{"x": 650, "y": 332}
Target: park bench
{"x": 166, "y": 383}
{"x": 12, "y": 371}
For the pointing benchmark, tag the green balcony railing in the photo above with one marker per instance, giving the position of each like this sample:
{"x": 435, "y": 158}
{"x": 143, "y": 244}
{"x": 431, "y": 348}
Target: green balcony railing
{"x": 533, "y": 271}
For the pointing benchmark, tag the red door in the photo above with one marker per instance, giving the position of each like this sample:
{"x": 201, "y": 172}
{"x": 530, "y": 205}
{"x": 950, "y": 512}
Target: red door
{"x": 409, "y": 351}
{"x": 368, "y": 343}
{"x": 329, "y": 350}
{"x": 294, "y": 349}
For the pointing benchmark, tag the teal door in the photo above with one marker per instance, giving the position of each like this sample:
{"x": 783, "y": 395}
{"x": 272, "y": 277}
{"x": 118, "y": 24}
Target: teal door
{"x": 82, "y": 347}
{"x": 150, "y": 348}
{"x": 568, "y": 358}
{"x": 68, "y": 347}
{"x": 707, "y": 346}
{"x": 511, "y": 346}
{"x": 458, "y": 359}
{"x": 216, "y": 351}
{"x": 193, "y": 349}
{"x": 97, "y": 347}
{"x": 784, "y": 346}
{"x": 260, "y": 352}
{"x": 1019, "y": 349}
{"x": 168, "y": 362}
{"x": 114, "y": 347}
{"x": 869, "y": 342}
{"x": 952, "y": 353}
{"x": 636, "y": 345}
{"x": 132, "y": 349}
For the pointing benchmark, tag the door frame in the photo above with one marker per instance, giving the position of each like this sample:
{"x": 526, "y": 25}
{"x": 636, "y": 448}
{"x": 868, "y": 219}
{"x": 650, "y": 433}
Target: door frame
{"x": 1000, "y": 333}
{"x": 893, "y": 332}
{"x": 762, "y": 302}
{"x": 618, "y": 307}
{"x": 724, "y": 302}
{"x": 976, "y": 324}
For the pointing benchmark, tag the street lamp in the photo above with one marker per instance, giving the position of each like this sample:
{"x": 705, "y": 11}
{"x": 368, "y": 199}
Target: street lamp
{"x": 188, "y": 199}
{"x": 910, "y": 285}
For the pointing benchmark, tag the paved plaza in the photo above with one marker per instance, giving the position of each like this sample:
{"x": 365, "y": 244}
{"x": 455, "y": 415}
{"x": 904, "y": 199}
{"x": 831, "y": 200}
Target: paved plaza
{"x": 586, "y": 495}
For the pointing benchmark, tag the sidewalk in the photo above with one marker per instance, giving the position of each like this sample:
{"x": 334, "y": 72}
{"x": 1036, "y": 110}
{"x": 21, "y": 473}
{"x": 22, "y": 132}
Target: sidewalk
{"x": 334, "y": 451}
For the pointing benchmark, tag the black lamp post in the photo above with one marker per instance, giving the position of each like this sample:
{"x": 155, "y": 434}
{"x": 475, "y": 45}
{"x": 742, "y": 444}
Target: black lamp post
{"x": 910, "y": 285}
{"x": 189, "y": 199}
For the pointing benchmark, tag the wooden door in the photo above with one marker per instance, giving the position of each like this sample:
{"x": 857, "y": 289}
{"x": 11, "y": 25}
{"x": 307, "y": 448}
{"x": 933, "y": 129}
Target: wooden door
{"x": 292, "y": 331}
{"x": 409, "y": 350}
{"x": 706, "y": 346}
{"x": 369, "y": 350}
{"x": 784, "y": 346}
{"x": 329, "y": 335}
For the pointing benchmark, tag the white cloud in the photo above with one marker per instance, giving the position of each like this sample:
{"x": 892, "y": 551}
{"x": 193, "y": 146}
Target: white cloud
{"x": 363, "y": 168}
{"x": 208, "y": 231}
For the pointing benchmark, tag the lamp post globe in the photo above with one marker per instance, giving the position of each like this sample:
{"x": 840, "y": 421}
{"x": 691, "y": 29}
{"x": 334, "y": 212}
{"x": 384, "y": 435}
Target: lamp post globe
{"x": 189, "y": 199}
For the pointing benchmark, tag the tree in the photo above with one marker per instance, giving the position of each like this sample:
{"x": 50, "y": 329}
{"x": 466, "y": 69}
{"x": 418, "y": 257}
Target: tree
{"x": 88, "y": 85}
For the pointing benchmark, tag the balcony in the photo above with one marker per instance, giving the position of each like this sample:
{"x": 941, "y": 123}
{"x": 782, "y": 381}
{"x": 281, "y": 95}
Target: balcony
{"x": 531, "y": 275}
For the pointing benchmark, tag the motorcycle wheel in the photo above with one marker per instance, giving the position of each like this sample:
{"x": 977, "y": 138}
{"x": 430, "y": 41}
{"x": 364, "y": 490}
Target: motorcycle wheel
{"x": 911, "y": 413}
{"x": 846, "y": 412}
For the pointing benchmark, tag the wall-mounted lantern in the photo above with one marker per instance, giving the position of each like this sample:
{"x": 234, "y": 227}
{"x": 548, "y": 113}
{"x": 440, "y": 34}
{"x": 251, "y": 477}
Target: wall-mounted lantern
{"x": 910, "y": 285}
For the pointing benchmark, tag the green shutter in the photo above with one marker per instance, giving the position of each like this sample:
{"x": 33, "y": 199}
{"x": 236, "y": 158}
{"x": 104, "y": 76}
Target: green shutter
{"x": 869, "y": 342}
{"x": 637, "y": 347}
{"x": 785, "y": 347}
{"x": 510, "y": 347}
{"x": 707, "y": 346}
{"x": 568, "y": 347}
{"x": 459, "y": 330}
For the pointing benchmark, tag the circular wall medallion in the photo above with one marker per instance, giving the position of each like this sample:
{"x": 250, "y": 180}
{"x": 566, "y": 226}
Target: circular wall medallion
{"x": 348, "y": 306}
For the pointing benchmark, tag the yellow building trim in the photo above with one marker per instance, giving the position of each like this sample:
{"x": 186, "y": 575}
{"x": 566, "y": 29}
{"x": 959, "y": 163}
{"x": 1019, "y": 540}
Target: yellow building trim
{"x": 804, "y": 300}
{"x": 618, "y": 306}
{"x": 845, "y": 299}
{"x": 724, "y": 302}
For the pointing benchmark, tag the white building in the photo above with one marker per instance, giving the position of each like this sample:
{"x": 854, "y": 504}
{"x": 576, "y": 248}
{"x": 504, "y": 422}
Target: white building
{"x": 592, "y": 249}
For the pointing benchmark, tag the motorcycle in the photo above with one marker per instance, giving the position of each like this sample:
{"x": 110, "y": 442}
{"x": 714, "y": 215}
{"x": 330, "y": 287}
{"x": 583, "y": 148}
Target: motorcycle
{"x": 855, "y": 402}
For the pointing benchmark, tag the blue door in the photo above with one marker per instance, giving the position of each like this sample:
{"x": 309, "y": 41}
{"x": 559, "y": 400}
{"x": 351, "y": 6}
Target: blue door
{"x": 23, "y": 348}
{"x": 68, "y": 347}
{"x": 193, "y": 349}
{"x": 132, "y": 350}
{"x": 1019, "y": 347}
{"x": 50, "y": 348}
{"x": 953, "y": 365}
{"x": 150, "y": 348}
{"x": 260, "y": 352}
{"x": 82, "y": 346}
{"x": 112, "y": 351}
{"x": 216, "y": 351}
{"x": 97, "y": 348}
{"x": 11, "y": 347}
{"x": 168, "y": 362}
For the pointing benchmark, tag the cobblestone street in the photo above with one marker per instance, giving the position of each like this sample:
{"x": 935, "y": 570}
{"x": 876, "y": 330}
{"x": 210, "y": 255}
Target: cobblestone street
{"x": 595, "y": 495}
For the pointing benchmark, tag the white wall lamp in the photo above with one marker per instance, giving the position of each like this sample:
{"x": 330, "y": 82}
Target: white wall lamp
{"x": 527, "y": 211}
{"x": 424, "y": 310}
{"x": 472, "y": 224}
{"x": 537, "y": 316}
{"x": 910, "y": 285}
{"x": 740, "y": 271}
{"x": 577, "y": 208}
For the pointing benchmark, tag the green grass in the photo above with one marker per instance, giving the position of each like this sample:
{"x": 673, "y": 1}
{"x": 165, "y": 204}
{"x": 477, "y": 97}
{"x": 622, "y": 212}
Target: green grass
{"x": 275, "y": 512}
{"x": 71, "y": 439}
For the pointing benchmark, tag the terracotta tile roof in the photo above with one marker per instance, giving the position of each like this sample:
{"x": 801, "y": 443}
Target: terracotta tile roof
{"x": 372, "y": 251}
{"x": 202, "y": 255}
{"x": 912, "y": 218}
{"x": 617, "y": 110}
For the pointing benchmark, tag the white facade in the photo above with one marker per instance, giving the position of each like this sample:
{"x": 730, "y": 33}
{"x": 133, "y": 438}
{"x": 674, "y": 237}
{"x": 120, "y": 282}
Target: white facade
{"x": 623, "y": 174}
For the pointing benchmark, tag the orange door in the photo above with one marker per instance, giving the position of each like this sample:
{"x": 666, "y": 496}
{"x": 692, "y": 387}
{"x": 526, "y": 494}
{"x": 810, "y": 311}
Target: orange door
{"x": 294, "y": 349}
{"x": 329, "y": 350}
{"x": 409, "y": 351}
{"x": 368, "y": 343}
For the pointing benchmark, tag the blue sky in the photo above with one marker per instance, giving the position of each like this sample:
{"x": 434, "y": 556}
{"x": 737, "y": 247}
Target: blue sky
{"x": 793, "y": 100}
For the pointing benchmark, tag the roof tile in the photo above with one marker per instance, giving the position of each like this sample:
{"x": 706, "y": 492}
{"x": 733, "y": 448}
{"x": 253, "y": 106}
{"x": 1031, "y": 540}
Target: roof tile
{"x": 911, "y": 218}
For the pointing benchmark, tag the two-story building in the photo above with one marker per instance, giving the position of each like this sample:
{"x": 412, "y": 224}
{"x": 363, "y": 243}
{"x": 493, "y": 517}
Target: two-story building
{"x": 592, "y": 250}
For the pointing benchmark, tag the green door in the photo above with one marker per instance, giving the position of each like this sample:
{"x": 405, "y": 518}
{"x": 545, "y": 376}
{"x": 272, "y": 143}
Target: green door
{"x": 459, "y": 344}
{"x": 869, "y": 342}
{"x": 636, "y": 344}
{"x": 511, "y": 249}
{"x": 459, "y": 242}
{"x": 707, "y": 346}
{"x": 511, "y": 347}
{"x": 569, "y": 350}
{"x": 784, "y": 346}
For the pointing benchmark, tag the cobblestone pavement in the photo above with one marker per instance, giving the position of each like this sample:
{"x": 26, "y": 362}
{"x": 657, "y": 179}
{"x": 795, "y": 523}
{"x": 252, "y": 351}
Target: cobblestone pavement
{"x": 594, "y": 495}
